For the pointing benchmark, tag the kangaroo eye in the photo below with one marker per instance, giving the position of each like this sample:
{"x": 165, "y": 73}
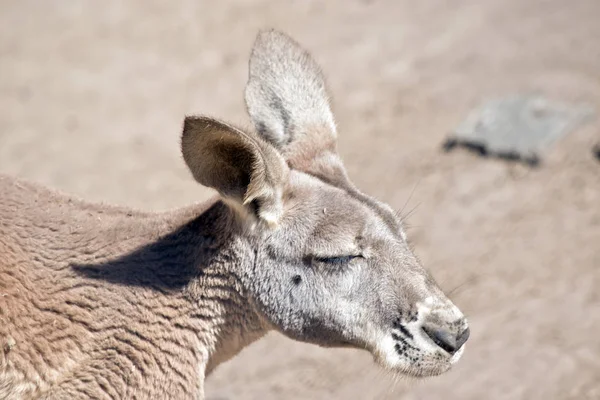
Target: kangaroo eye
{"x": 340, "y": 260}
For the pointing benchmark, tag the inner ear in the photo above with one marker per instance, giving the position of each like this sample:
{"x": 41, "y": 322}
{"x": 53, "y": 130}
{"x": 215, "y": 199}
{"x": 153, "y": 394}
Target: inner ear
{"x": 287, "y": 99}
{"x": 241, "y": 166}
{"x": 286, "y": 95}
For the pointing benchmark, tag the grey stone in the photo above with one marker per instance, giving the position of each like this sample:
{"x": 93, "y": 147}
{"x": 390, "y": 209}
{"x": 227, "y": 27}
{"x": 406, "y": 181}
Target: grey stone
{"x": 517, "y": 127}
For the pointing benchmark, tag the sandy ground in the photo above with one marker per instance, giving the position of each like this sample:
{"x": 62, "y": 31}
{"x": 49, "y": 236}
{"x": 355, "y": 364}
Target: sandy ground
{"x": 92, "y": 96}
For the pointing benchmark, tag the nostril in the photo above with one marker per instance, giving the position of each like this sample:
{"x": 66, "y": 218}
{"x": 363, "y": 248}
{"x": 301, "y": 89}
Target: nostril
{"x": 443, "y": 338}
{"x": 462, "y": 337}
{"x": 447, "y": 340}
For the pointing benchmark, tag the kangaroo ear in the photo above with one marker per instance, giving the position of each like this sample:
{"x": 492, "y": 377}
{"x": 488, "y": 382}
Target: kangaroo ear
{"x": 248, "y": 172}
{"x": 287, "y": 100}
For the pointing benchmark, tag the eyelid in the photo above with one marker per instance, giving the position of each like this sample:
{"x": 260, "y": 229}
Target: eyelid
{"x": 337, "y": 259}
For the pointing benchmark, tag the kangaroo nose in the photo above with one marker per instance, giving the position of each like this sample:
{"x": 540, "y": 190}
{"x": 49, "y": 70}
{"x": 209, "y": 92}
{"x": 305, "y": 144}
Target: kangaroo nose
{"x": 450, "y": 341}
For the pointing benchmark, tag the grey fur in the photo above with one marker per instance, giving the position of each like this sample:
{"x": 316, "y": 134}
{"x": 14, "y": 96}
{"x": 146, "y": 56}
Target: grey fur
{"x": 105, "y": 302}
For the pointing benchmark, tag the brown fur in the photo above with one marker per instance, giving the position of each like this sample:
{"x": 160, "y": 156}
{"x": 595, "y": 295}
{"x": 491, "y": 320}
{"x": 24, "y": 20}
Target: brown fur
{"x": 135, "y": 334}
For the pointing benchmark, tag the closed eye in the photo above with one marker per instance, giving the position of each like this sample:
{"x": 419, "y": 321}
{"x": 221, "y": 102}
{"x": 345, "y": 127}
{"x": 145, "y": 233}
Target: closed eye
{"x": 338, "y": 260}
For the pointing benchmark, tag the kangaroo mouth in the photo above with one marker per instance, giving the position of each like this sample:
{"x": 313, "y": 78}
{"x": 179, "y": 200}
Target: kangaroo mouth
{"x": 408, "y": 350}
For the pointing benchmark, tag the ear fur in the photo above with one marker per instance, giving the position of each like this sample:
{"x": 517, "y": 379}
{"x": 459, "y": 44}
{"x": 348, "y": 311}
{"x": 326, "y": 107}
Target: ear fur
{"x": 248, "y": 172}
{"x": 286, "y": 94}
{"x": 287, "y": 100}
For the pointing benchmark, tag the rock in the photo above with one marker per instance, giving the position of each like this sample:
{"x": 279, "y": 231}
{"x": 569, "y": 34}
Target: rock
{"x": 518, "y": 127}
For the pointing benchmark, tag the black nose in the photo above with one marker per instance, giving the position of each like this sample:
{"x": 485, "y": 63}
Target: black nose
{"x": 449, "y": 340}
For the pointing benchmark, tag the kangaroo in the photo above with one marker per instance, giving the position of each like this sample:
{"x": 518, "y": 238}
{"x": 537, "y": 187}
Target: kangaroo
{"x": 105, "y": 302}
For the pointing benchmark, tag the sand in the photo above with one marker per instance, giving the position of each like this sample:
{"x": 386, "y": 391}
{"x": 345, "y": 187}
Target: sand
{"x": 93, "y": 94}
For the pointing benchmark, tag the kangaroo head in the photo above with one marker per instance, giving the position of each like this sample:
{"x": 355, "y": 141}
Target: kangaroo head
{"x": 331, "y": 265}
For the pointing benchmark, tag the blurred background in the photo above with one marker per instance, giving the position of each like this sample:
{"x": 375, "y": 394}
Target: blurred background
{"x": 92, "y": 99}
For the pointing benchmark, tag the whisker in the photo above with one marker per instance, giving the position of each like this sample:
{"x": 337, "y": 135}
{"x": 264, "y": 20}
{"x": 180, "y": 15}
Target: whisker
{"x": 399, "y": 212}
{"x": 411, "y": 226}
{"x": 408, "y": 214}
{"x": 463, "y": 285}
